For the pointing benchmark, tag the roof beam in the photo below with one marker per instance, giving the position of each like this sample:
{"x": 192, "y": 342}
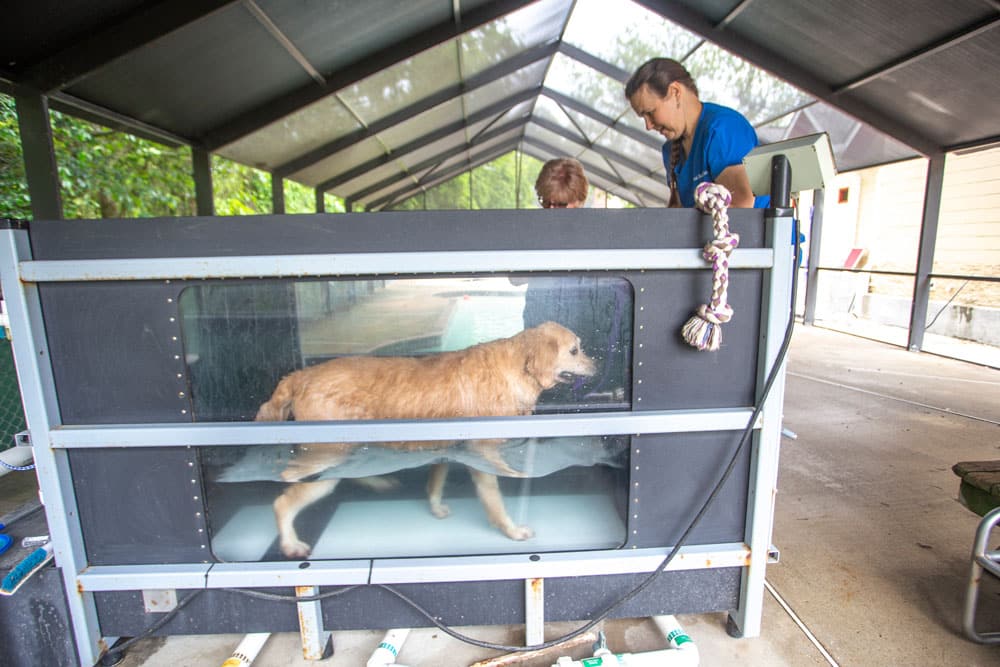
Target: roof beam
{"x": 482, "y": 137}
{"x": 484, "y": 78}
{"x": 442, "y": 176}
{"x": 98, "y": 115}
{"x": 797, "y": 76}
{"x": 483, "y": 114}
{"x": 593, "y": 62}
{"x": 612, "y": 155}
{"x": 609, "y": 122}
{"x": 154, "y": 21}
{"x": 733, "y": 13}
{"x": 437, "y": 178}
{"x": 279, "y": 108}
{"x": 955, "y": 38}
{"x": 94, "y": 113}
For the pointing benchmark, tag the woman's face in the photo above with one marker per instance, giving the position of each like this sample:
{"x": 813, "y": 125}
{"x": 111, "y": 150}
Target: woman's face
{"x": 661, "y": 114}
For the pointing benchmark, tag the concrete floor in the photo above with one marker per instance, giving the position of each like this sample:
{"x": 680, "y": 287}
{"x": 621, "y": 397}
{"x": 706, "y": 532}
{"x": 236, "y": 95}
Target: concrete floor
{"x": 874, "y": 546}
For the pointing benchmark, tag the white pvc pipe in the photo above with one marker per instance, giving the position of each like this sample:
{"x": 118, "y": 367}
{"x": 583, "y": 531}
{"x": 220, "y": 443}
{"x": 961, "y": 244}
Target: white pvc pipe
{"x": 247, "y": 650}
{"x": 17, "y": 457}
{"x": 682, "y": 651}
{"x": 388, "y": 649}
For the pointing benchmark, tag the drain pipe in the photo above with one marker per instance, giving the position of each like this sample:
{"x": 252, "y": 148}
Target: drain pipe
{"x": 16, "y": 458}
{"x": 247, "y": 650}
{"x": 388, "y": 649}
{"x": 682, "y": 651}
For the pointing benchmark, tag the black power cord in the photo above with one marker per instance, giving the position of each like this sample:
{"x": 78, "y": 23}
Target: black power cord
{"x": 110, "y": 656}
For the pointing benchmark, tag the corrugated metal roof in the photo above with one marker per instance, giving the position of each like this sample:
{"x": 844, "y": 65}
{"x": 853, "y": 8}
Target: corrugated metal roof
{"x": 375, "y": 100}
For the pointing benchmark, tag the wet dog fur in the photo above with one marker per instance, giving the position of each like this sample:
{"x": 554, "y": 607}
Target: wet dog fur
{"x": 499, "y": 378}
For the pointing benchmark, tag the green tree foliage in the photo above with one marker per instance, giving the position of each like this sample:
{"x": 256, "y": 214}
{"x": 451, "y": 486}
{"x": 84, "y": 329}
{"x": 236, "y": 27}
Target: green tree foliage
{"x": 104, "y": 173}
{"x": 14, "y": 200}
{"x": 490, "y": 186}
{"x": 238, "y": 189}
{"x": 108, "y": 174}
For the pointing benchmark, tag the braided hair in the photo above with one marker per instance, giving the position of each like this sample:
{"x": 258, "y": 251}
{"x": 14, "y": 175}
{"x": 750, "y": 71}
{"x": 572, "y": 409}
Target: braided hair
{"x": 658, "y": 74}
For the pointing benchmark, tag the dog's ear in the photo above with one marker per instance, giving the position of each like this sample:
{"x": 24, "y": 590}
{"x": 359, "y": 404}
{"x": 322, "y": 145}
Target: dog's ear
{"x": 541, "y": 353}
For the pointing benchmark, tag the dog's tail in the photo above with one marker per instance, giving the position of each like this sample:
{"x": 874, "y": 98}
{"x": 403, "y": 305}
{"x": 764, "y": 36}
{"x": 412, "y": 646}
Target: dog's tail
{"x": 279, "y": 407}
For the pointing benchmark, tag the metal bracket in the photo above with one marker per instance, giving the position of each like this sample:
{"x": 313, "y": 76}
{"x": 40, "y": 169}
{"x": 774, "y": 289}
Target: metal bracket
{"x": 316, "y": 642}
{"x": 159, "y": 601}
{"x": 22, "y": 439}
{"x": 534, "y": 611}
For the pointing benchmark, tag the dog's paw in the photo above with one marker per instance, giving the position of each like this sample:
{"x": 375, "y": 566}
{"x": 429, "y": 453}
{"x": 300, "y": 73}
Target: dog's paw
{"x": 519, "y": 533}
{"x": 440, "y": 510}
{"x": 295, "y": 549}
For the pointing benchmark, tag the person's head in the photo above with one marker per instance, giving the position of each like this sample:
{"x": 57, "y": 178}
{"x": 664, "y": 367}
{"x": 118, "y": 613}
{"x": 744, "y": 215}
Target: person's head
{"x": 562, "y": 184}
{"x": 658, "y": 92}
{"x": 665, "y": 96}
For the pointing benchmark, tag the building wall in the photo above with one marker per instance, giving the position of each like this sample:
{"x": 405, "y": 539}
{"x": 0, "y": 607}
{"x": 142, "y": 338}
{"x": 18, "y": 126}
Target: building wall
{"x": 883, "y": 211}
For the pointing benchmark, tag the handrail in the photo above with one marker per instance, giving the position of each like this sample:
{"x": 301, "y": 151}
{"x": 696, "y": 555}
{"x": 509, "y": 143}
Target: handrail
{"x": 942, "y": 276}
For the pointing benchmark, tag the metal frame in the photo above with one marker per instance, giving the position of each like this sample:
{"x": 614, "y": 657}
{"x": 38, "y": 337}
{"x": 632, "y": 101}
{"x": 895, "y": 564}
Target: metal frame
{"x": 41, "y": 413}
{"x": 21, "y": 275}
{"x": 983, "y": 560}
{"x": 767, "y": 441}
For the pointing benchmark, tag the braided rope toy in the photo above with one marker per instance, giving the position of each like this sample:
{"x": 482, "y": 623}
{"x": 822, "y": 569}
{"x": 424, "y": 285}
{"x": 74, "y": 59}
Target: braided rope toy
{"x": 704, "y": 329}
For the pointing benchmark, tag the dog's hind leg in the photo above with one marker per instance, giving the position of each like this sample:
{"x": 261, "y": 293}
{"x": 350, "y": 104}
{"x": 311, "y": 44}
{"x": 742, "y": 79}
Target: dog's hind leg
{"x": 289, "y": 504}
{"x": 488, "y": 490}
{"x": 435, "y": 490}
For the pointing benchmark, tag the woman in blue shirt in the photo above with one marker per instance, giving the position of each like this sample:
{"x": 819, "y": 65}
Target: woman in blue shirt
{"x": 705, "y": 142}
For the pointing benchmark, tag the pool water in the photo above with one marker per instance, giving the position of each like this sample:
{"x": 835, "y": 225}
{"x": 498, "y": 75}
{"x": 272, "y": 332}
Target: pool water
{"x": 480, "y": 317}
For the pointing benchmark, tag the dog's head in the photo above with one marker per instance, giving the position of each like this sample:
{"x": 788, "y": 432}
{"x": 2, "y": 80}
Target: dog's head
{"x": 553, "y": 355}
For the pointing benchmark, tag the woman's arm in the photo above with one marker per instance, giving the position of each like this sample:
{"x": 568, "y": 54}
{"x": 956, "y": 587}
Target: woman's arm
{"x": 735, "y": 179}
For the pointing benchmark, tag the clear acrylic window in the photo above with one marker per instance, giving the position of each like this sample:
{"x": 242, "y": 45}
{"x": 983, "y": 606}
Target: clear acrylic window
{"x": 420, "y": 497}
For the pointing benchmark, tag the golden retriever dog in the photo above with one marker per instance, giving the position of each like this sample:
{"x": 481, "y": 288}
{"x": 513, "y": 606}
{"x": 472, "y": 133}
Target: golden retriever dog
{"x": 500, "y": 378}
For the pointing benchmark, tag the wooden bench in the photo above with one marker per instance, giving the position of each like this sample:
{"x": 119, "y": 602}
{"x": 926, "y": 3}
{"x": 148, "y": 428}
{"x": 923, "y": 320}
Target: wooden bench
{"x": 980, "y": 488}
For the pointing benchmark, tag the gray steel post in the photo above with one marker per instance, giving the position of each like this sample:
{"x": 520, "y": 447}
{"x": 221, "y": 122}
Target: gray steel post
{"x": 815, "y": 245}
{"x": 201, "y": 166}
{"x": 925, "y": 253}
{"x": 39, "y": 156}
{"x": 277, "y": 194}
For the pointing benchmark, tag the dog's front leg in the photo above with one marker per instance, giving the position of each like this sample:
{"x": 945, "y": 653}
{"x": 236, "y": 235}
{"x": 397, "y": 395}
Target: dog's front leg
{"x": 435, "y": 490}
{"x": 488, "y": 490}
{"x": 289, "y": 504}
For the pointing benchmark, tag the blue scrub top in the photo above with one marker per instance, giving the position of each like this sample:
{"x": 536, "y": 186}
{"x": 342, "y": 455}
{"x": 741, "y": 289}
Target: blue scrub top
{"x": 721, "y": 139}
